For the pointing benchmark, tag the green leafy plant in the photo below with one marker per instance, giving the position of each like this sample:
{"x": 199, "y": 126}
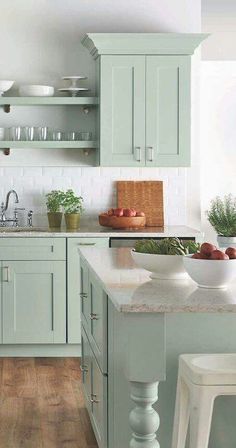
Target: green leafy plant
{"x": 54, "y": 201}
{"x": 72, "y": 203}
{"x": 222, "y": 215}
{"x": 167, "y": 246}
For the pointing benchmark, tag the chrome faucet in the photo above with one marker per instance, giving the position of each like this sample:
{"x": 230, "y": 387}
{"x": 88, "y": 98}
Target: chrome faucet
{"x": 4, "y": 207}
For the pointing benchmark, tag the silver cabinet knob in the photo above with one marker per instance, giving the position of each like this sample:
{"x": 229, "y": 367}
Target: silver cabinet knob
{"x": 84, "y": 368}
{"x": 83, "y": 295}
{"x": 150, "y": 153}
{"x": 137, "y": 153}
{"x": 94, "y": 399}
{"x": 93, "y": 316}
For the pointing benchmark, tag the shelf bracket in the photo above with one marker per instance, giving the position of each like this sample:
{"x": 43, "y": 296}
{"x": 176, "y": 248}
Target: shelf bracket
{"x": 6, "y": 151}
{"x": 7, "y": 108}
{"x": 86, "y": 110}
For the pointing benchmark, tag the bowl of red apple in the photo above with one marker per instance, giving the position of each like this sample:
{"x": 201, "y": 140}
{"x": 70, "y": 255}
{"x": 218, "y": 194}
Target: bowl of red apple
{"x": 122, "y": 218}
{"x": 211, "y": 267}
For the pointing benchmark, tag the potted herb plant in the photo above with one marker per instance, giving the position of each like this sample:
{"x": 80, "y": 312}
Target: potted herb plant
{"x": 72, "y": 206}
{"x": 54, "y": 203}
{"x": 222, "y": 216}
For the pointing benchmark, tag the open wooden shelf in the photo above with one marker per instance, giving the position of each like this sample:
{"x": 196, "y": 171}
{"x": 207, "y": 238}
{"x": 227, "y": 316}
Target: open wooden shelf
{"x": 6, "y": 146}
{"x": 48, "y": 101}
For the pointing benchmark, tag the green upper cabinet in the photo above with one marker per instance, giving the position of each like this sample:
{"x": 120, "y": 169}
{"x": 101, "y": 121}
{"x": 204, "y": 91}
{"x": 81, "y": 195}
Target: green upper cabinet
{"x": 144, "y": 95}
{"x": 168, "y": 124}
{"x": 122, "y": 113}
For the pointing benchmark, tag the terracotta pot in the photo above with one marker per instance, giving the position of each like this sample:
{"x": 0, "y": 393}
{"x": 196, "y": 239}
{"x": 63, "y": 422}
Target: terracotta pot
{"x": 72, "y": 220}
{"x": 54, "y": 219}
{"x": 226, "y": 241}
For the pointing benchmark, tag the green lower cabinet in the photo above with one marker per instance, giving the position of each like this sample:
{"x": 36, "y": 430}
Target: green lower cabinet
{"x": 74, "y": 287}
{"x": 95, "y": 391}
{"x": 34, "y": 302}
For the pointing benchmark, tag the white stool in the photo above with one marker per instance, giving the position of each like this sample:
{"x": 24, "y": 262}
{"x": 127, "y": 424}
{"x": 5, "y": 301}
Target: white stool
{"x": 201, "y": 379}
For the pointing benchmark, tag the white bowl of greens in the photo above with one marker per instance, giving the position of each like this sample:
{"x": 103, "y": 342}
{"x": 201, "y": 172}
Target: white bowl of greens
{"x": 163, "y": 258}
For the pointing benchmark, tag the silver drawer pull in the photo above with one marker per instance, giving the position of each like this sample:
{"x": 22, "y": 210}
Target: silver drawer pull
{"x": 6, "y": 274}
{"x": 94, "y": 316}
{"x": 137, "y": 153}
{"x": 94, "y": 399}
{"x": 83, "y": 295}
{"x": 84, "y": 368}
{"x": 150, "y": 153}
{"x": 86, "y": 244}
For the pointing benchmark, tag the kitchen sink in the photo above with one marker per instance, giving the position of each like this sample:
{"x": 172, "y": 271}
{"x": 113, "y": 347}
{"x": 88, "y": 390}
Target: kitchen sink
{"x": 21, "y": 229}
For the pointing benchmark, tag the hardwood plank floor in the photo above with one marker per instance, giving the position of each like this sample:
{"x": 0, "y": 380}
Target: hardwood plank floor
{"x": 41, "y": 404}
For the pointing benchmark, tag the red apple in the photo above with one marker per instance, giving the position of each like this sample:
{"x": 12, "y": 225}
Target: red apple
{"x": 129, "y": 212}
{"x": 197, "y": 256}
{"x": 118, "y": 212}
{"x": 218, "y": 255}
{"x": 231, "y": 252}
{"x": 207, "y": 249}
{"x": 140, "y": 214}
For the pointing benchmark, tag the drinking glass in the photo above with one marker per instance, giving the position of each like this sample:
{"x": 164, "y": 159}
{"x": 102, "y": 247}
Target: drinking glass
{"x": 43, "y": 133}
{"x": 15, "y": 133}
{"x": 29, "y": 133}
{"x": 71, "y": 136}
{"x": 85, "y": 136}
{"x": 3, "y": 134}
{"x": 57, "y": 135}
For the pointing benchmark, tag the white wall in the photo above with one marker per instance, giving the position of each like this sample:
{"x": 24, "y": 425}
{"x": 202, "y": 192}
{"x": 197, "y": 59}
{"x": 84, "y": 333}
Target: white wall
{"x": 219, "y": 19}
{"x": 218, "y": 134}
{"x": 40, "y": 43}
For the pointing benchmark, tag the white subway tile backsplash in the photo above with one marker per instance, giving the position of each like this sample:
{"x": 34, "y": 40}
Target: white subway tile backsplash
{"x": 97, "y": 186}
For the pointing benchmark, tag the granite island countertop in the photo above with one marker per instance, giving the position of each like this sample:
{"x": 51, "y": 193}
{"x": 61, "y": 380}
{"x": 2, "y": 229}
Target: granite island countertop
{"x": 131, "y": 290}
{"x": 94, "y": 230}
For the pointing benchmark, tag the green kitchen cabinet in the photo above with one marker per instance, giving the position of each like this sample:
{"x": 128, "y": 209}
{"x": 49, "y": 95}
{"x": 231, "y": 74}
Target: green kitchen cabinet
{"x": 74, "y": 284}
{"x": 144, "y": 91}
{"x": 122, "y": 113}
{"x": 34, "y": 302}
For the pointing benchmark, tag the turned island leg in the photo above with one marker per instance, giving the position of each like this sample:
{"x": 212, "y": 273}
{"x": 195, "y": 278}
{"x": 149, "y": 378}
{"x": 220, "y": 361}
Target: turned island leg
{"x": 144, "y": 420}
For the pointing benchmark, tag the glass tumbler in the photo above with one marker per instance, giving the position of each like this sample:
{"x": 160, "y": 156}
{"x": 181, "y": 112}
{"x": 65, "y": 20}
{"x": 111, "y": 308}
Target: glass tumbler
{"x": 85, "y": 136}
{"x": 42, "y": 133}
{"x": 29, "y": 133}
{"x": 71, "y": 136}
{"x": 15, "y": 133}
{"x": 57, "y": 135}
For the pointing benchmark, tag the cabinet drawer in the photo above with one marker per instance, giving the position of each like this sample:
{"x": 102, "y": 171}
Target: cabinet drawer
{"x": 98, "y": 322}
{"x": 32, "y": 248}
{"x": 74, "y": 283}
{"x": 95, "y": 391}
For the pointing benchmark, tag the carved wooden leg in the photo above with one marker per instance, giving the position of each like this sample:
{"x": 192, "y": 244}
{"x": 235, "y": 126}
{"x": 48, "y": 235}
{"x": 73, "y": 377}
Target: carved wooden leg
{"x": 144, "y": 420}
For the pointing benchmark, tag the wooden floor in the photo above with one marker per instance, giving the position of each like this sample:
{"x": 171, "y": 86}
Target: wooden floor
{"x": 41, "y": 404}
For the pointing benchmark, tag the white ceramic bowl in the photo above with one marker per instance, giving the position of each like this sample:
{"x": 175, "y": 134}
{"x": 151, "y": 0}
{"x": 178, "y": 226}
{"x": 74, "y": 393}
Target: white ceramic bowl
{"x": 165, "y": 267}
{"x": 36, "y": 90}
{"x": 5, "y": 85}
{"x": 210, "y": 273}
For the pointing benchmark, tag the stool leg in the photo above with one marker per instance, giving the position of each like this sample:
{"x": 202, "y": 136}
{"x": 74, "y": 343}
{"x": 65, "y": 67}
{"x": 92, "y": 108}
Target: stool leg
{"x": 201, "y": 408}
{"x": 182, "y": 411}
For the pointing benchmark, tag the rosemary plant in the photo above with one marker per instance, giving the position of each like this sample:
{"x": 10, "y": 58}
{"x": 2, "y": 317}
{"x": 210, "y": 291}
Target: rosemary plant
{"x": 222, "y": 215}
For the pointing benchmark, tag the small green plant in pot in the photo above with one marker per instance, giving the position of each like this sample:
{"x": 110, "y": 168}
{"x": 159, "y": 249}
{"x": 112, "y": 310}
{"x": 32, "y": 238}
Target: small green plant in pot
{"x": 222, "y": 216}
{"x": 54, "y": 202}
{"x": 73, "y": 208}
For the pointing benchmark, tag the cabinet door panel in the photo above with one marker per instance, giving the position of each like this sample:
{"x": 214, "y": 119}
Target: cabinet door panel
{"x": 86, "y": 356}
{"x": 34, "y": 302}
{"x": 99, "y": 404}
{"x": 122, "y": 103}
{"x": 98, "y": 322}
{"x": 168, "y": 111}
{"x": 74, "y": 287}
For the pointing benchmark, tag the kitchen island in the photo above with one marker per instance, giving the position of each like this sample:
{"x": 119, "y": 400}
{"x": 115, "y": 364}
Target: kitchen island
{"x": 133, "y": 330}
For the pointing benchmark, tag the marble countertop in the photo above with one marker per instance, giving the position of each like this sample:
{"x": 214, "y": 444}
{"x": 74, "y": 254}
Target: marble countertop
{"x": 93, "y": 229}
{"x": 131, "y": 290}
